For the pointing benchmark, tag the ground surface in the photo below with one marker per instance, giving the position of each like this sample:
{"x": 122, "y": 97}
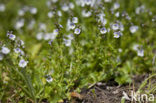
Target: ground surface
{"x": 109, "y": 92}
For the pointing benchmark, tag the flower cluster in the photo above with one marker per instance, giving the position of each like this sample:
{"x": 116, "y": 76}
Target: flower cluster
{"x": 139, "y": 50}
{"x": 18, "y": 45}
{"x": 89, "y": 40}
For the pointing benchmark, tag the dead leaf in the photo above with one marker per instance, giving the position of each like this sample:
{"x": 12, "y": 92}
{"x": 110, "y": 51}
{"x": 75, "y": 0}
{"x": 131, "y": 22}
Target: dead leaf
{"x": 76, "y": 95}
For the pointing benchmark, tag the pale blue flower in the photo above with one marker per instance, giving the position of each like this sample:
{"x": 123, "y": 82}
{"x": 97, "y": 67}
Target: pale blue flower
{"x": 72, "y": 26}
{"x": 140, "y": 52}
{"x": 22, "y": 63}
{"x": 75, "y": 20}
{"x": 5, "y": 50}
{"x": 2, "y": 7}
{"x": 49, "y": 78}
{"x": 103, "y": 30}
{"x": 77, "y": 31}
{"x": 133, "y": 29}
{"x": 12, "y": 37}
{"x": 115, "y": 26}
{"x": 86, "y": 13}
{"x": 117, "y": 34}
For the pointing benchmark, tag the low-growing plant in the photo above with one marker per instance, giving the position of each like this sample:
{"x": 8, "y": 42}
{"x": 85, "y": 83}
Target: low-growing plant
{"x": 63, "y": 46}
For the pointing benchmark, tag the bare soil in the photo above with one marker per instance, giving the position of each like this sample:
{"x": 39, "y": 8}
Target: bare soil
{"x": 109, "y": 92}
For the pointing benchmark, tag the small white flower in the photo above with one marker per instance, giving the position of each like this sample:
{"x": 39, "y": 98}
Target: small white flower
{"x": 75, "y": 20}
{"x": 22, "y": 42}
{"x": 21, "y": 12}
{"x": 59, "y": 13}
{"x": 108, "y": 30}
{"x": 21, "y": 52}
{"x": 140, "y": 52}
{"x": 120, "y": 50}
{"x": 102, "y": 19}
{"x": 115, "y": 26}
{"x": 47, "y": 36}
{"x": 117, "y": 14}
{"x": 140, "y": 9}
{"x": 77, "y": 31}
{"x": 12, "y": 37}
{"x": 55, "y": 31}
{"x": 71, "y": 5}
{"x": 54, "y": 1}
{"x": 65, "y": 7}
{"x": 153, "y": 19}
{"x": 101, "y": 15}
{"x": 48, "y": 3}
{"x": 88, "y": 2}
{"x": 103, "y": 30}
{"x": 135, "y": 47}
{"x": 72, "y": 26}
{"x": 33, "y": 10}
{"x": 70, "y": 36}
{"x": 53, "y": 36}
{"x": 17, "y": 50}
{"x": 49, "y": 78}
{"x": 5, "y": 50}
{"x": 23, "y": 63}
{"x": 2, "y": 7}
{"x": 133, "y": 29}
{"x": 117, "y": 34}
{"x": 19, "y": 24}
{"x": 42, "y": 26}
{"x": 39, "y": 36}
{"x": 60, "y": 26}
{"x": 50, "y": 14}
{"x": 121, "y": 27}
{"x": 128, "y": 17}
{"x": 116, "y": 5}
{"x": 80, "y": 3}
{"x": 86, "y": 13}
{"x": 50, "y": 42}
{"x": 67, "y": 42}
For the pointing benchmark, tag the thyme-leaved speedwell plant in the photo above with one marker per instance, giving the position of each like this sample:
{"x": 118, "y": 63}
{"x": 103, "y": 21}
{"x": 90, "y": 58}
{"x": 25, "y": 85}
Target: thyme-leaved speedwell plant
{"x": 67, "y": 45}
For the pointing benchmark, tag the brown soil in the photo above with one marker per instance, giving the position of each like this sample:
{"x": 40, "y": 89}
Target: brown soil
{"x": 106, "y": 92}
